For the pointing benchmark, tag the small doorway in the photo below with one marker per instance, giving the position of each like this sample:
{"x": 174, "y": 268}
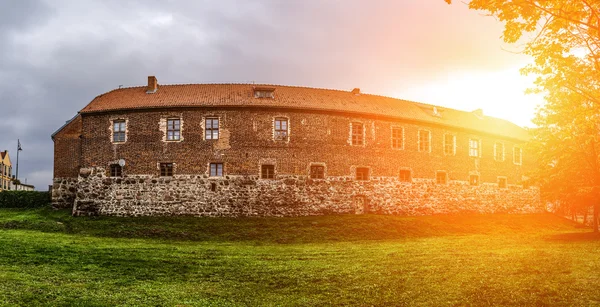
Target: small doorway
{"x": 361, "y": 205}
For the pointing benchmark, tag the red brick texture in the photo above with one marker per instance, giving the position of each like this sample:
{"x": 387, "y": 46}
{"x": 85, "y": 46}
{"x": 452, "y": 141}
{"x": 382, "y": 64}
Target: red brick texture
{"x": 246, "y": 139}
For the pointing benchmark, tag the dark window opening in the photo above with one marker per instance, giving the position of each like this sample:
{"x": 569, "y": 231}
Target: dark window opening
{"x": 441, "y": 178}
{"x": 362, "y": 173}
{"x": 358, "y": 136}
{"x": 267, "y": 171}
{"x": 449, "y": 141}
{"x": 474, "y": 180}
{"x": 213, "y": 186}
{"x": 212, "y": 129}
{"x": 119, "y": 131}
{"x": 173, "y": 129}
{"x": 405, "y": 176}
{"x": 281, "y": 129}
{"x": 317, "y": 172}
{"x": 116, "y": 170}
{"x": 424, "y": 141}
{"x": 166, "y": 169}
{"x": 216, "y": 169}
{"x": 502, "y": 183}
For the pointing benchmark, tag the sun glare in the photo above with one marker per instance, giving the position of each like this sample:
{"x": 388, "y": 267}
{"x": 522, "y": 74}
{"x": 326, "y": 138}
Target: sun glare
{"x": 500, "y": 94}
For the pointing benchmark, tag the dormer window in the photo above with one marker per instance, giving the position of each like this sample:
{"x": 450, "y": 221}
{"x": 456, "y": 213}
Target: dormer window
{"x": 264, "y": 92}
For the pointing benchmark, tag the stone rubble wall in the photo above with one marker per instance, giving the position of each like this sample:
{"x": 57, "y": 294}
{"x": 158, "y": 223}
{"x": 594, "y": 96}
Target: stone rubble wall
{"x": 64, "y": 192}
{"x": 199, "y": 195}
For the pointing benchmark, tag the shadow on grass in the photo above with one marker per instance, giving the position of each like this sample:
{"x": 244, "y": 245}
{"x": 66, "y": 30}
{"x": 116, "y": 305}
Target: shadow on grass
{"x": 575, "y": 237}
{"x": 289, "y": 230}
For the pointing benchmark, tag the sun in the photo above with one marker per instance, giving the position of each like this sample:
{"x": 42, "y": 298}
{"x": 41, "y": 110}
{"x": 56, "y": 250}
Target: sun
{"x": 499, "y": 93}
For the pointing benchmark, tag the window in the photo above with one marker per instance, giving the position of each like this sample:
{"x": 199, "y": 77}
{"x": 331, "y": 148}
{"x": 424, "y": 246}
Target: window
{"x": 499, "y": 151}
{"x": 474, "y": 150}
{"x": 362, "y": 173}
{"x": 116, "y": 170}
{"x": 267, "y": 171}
{"x": 405, "y": 175}
{"x": 216, "y": 169}
{"x": 173, "y": 129}
{"x": 424, "y": 141}
{"x": 281, "y": 129}
{"x": 449, "y": 144}
{"x": 502, "y": 182}
{"x": 441, "y": 177}
{"x": 119, "y": 131}
{"x": 211, "y": 131}
{"x": 474, "y": 179}
{"x": 358, "y": 134}
{"x": 317, "y": 171}
{"x": 397, "y": 138}
{"x": 166, "y": 169}
{"x": 517, "y": 156}
{"x": 264, "y": 94}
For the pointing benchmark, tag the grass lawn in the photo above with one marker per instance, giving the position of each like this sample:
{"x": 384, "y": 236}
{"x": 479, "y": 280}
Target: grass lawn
{"x": 50, "y": 258}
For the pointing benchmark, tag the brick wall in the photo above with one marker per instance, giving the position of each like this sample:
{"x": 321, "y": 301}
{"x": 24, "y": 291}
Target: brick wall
{"x": 67, "y": 150}
{"x": 246, "y": 140}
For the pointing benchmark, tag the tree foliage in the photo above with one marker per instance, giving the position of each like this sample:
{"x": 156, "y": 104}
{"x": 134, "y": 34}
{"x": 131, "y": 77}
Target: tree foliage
{"x": 563, "y": 37}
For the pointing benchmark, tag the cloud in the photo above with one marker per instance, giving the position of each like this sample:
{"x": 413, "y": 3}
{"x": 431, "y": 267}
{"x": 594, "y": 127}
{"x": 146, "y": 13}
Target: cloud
{"x": 56, "y": 56}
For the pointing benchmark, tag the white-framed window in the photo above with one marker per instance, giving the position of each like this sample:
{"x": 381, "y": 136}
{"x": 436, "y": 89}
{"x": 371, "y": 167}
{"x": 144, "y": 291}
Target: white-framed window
{"x": 474, "y": 148}
{"x": 280, "y": 129}
{"x": 173, "y": 129}
{"x": 449, "y": 144}
{"x": 357, "y": 133}
{"x": 517, "y": 155}
{"x": 424, "y": 140}
{"x": 397, "y": 138}
{"x": 211, "y": 128}
{"x": 216, "y": 170}
{"x": 499, "y": 151}
{"x": 119, "y": 130}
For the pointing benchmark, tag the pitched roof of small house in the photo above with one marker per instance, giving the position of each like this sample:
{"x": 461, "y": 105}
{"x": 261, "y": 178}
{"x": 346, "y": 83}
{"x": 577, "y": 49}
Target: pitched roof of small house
{"x": 242, "y": 95}
{"x": 5, "y": 158}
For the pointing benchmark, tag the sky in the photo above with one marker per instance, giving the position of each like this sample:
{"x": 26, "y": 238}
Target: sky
{"x": 57, "y": 55}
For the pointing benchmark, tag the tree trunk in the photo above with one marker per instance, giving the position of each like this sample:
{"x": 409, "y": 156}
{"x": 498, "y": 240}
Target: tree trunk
{"x": 585, "y": 214}
{"x": 596, "y": 207}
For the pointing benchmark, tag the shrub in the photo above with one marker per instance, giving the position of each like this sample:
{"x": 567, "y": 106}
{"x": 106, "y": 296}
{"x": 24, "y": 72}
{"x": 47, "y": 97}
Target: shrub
{"x": 24, "y": 199}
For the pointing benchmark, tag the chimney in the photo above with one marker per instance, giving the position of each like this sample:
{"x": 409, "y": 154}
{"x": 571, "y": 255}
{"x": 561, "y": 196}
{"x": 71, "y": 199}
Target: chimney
{"x": 356, "y": 91}
{"x": 152, "y": 85}
{"x": 478, "y": 113}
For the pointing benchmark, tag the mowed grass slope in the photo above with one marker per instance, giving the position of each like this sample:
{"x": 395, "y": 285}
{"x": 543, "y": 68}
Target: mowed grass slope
{"x": 50, "y": 258}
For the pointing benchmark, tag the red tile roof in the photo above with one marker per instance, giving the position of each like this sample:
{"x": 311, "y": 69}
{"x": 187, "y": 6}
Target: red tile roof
{"x": 242, "y": 95}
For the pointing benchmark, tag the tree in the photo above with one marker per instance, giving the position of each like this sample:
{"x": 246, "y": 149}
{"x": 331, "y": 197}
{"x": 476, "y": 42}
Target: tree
{"x": 565, "y": 46}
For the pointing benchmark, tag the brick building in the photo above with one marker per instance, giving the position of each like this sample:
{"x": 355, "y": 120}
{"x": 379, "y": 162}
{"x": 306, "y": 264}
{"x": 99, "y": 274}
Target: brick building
{"x": 243, "y": 149}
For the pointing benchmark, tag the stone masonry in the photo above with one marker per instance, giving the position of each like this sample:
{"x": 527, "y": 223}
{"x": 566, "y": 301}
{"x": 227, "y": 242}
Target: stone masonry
{"x": 200, "y": 195}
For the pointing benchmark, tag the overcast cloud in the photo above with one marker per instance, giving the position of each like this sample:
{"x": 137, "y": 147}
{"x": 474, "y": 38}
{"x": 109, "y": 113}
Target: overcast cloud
{"x": 56, "y": 56}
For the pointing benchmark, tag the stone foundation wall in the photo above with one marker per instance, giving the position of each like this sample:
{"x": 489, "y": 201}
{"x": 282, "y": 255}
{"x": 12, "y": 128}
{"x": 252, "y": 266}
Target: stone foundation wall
{"x": 199, "y": 195}
{"x": 64, "y": 192}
